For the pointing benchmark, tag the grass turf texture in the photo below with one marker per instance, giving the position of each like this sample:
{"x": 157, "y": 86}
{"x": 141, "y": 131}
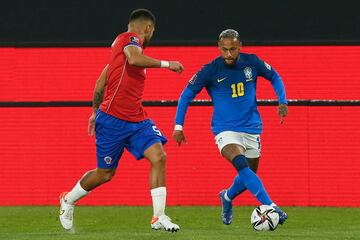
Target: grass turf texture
{"x": 195, "y": 223}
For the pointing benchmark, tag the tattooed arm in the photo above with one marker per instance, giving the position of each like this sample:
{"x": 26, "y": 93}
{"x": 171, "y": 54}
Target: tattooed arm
{"x": 99, "y": 89}
{"x": 97, "y": 100}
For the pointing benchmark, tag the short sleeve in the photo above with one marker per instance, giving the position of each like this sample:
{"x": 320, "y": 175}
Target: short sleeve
{"x": 132, "y": 40}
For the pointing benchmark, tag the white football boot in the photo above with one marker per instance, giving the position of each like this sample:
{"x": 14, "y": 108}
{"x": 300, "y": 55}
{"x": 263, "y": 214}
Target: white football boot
{"x": 164, "y": 223}
{"x": 66, "y": 212}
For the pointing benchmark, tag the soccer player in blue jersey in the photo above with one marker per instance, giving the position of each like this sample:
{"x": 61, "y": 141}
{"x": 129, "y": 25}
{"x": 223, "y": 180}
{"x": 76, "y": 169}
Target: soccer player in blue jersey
{"x": 230, "y": 80}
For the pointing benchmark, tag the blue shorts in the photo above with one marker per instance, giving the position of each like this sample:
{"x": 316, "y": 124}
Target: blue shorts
{"x": 113, "y": 135}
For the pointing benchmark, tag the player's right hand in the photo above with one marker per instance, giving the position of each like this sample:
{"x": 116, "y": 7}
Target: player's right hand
{"x": 91, "y": 125}
{"x": 179, "y": 137}
{"x": 282, "y": 112}
{"x": 176, "y": 66}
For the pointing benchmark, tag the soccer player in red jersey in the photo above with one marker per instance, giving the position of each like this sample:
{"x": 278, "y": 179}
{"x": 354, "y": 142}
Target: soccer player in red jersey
{"x": 120, "y": 121}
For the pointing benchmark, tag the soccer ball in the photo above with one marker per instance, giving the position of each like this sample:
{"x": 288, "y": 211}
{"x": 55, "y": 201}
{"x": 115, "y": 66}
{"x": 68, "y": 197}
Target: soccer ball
{"x": 264, "y": 218}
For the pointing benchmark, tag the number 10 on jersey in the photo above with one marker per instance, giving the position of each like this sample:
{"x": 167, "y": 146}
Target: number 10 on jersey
{"x": 237, "y": 90}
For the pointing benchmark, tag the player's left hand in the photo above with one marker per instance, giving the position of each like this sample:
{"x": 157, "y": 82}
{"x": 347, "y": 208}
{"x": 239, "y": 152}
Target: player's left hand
{"x": 282, "y": 111}
{"x": 176, "y": 66}
{"x": 179, "y": 137}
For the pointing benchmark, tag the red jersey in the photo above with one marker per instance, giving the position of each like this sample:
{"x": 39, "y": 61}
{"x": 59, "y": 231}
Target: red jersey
{"x": 125, "y": 86}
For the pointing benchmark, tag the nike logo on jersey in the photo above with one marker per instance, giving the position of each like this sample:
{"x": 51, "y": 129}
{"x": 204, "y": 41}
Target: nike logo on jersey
{"x": 249, "y": 79}
{"x": 221, "y": 79}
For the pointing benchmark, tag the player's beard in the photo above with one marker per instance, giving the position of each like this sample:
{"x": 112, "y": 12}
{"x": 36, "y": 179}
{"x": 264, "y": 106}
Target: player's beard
{"x": 232, "y": 63}
{"x": 146, "y": 42}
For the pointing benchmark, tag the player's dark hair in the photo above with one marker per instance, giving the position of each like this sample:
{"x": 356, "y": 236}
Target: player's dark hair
{"x": 142, "y": 13}
{"x": 229, "y": 33}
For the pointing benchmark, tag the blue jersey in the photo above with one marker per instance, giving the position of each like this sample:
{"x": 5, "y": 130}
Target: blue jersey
{"x": 233, "y": 92}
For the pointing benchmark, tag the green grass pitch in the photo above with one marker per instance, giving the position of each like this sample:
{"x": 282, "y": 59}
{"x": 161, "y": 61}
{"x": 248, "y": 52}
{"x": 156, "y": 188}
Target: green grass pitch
{"x": 196, "y": 223}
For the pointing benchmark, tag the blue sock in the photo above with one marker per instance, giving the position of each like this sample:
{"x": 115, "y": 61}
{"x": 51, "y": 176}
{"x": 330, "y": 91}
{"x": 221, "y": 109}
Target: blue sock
{"x": 246, "y": 178}
{"x": 236, "y": 188}
{"x": 253, "y": 183}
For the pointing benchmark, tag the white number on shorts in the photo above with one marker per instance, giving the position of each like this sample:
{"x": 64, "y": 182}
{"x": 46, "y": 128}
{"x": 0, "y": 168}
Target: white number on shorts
{"x": 157, "y": 131}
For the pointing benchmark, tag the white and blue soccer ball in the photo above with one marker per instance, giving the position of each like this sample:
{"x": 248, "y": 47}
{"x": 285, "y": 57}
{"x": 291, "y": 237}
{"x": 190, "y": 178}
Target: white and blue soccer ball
{"x": 264, "y": 218}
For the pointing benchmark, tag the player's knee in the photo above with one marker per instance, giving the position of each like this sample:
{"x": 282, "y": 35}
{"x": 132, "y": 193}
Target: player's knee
{"x": 106, "y": 175}
{"x": 159, "y": 159}
{"x": 231, "y": 151}
{"x": 253, "y": 164}
{"x": 240, "y": 162}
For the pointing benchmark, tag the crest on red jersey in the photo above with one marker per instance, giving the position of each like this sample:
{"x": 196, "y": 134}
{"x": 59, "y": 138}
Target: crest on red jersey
{"x": 134, "y": 39}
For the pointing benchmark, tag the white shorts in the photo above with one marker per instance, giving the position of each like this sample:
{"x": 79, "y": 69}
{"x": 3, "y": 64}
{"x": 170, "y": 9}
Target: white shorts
{"x": 251, "y": 142}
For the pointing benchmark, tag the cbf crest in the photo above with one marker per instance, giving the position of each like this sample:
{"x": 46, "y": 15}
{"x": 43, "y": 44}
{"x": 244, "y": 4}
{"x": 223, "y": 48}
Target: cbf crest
{"x": 248, "y": 74}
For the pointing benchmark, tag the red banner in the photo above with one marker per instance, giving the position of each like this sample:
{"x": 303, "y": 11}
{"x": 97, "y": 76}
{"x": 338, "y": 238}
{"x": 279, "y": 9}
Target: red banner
{"x": 61, "y": 74}
{"x": 310, "y": 160}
